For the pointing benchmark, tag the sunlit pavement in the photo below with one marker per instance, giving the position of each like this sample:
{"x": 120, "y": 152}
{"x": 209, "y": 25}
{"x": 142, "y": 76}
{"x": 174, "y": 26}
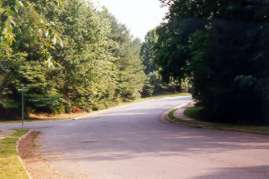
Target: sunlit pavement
{"x": 131, "y": 142}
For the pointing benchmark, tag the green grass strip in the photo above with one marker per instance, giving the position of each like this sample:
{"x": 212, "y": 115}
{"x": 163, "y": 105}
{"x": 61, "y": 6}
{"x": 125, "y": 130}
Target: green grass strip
{"x": 10, "y": 166}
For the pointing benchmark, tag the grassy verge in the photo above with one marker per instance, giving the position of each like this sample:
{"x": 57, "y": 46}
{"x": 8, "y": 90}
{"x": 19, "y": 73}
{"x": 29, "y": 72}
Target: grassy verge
{"x": 193, "y": 112}
{"x": 191, "y": 118}
{"x": 10, "y": 166}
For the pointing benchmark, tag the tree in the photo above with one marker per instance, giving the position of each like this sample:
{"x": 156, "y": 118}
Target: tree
{"x": 223, "y": 51}
{"x": 126, "y": 51}
{"x": 24, "y": 47}
{"x": 150, "y": 55}
{"x": 148, "y": 51}
{"x": 67, "y": 55}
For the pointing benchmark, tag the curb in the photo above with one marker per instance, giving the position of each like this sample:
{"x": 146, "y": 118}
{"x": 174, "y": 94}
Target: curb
{"x": 165, "y": 117}
{"x": 18, "y": 156}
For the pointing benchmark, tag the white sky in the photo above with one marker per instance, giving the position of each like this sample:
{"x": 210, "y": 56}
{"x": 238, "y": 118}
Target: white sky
{"x": 139, "y": 16}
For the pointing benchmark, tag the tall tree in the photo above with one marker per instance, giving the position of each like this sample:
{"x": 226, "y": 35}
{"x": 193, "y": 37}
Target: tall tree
{"x": 155, "y": 83}
{"x": 66, "y": 55}
{"x": 126, "y": 50}
{"x": 222, "y": 46}
{"x": 25, "y": 41}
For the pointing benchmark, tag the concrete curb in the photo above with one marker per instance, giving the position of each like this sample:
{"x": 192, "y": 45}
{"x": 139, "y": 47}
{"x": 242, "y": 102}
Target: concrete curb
{"x": 165, "y": 117}
{"x": 18, "y": 156}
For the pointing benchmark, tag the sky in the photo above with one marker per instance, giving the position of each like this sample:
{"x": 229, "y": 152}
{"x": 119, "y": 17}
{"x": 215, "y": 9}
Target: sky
{"x": 140, "y": 16}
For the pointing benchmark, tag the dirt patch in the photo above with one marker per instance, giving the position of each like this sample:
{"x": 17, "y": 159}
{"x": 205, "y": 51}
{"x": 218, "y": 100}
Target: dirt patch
{"x": 44, "y": 116}
{"x": 28, "y": 145}
{"x": 36, "y": 165}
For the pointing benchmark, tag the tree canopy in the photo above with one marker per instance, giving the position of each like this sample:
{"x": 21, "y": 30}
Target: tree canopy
{"x": 222, "y": 47}
{"x": 67, "y": 56}
{"x": 155, "y": 82}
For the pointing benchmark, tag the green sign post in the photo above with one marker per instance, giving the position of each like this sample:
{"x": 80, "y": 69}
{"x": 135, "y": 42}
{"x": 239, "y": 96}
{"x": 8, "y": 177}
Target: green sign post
{"x": 22, "y": 90}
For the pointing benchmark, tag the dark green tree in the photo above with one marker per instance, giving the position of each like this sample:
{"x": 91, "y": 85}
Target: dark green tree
{"x": 222, "y": 46}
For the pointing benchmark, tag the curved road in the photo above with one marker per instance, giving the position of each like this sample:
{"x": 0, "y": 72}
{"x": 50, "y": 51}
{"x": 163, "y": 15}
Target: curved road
{"x": 130, "y": 142}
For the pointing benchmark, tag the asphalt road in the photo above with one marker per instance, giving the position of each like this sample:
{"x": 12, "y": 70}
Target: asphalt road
{"x": 130, "y": 142}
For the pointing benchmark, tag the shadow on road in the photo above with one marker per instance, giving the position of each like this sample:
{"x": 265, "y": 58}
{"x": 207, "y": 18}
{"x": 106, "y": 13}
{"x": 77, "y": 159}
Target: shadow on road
{"x": 236, "y": 173}
{"x": 134, "y": 133}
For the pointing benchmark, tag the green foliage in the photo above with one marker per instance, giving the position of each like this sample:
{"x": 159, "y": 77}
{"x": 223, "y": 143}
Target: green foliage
{"x": 222, "y": 46}
{"x": 156, "y": 82}
{"x": 194, "y": 112}
{"x": 24, "y": 50}
{"x": 126, "y": 51}
{"x": 68, "y": 57}
{"x": 148, "y": 51}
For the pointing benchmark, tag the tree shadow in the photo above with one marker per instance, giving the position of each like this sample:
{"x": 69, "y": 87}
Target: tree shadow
{"x": 253, "y": 172}
{"x": 134, "y": 133}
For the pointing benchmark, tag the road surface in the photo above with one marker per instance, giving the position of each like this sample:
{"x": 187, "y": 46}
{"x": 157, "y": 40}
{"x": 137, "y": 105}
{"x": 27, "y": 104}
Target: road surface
{"x": 130, "y": 142}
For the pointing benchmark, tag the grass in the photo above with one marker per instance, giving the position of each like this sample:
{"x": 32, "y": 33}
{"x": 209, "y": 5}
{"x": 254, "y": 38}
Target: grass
{"x": 10, "y": 165}
{"x": 193, "y": 112}
{"x": 191, "y": 119}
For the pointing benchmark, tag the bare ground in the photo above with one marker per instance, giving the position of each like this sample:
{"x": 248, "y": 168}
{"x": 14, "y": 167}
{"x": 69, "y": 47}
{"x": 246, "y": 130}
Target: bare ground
{"x": 35, "y": 164}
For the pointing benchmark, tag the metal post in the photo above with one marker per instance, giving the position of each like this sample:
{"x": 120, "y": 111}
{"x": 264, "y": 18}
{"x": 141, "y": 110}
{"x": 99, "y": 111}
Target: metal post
{"x": 22, "y": 109}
